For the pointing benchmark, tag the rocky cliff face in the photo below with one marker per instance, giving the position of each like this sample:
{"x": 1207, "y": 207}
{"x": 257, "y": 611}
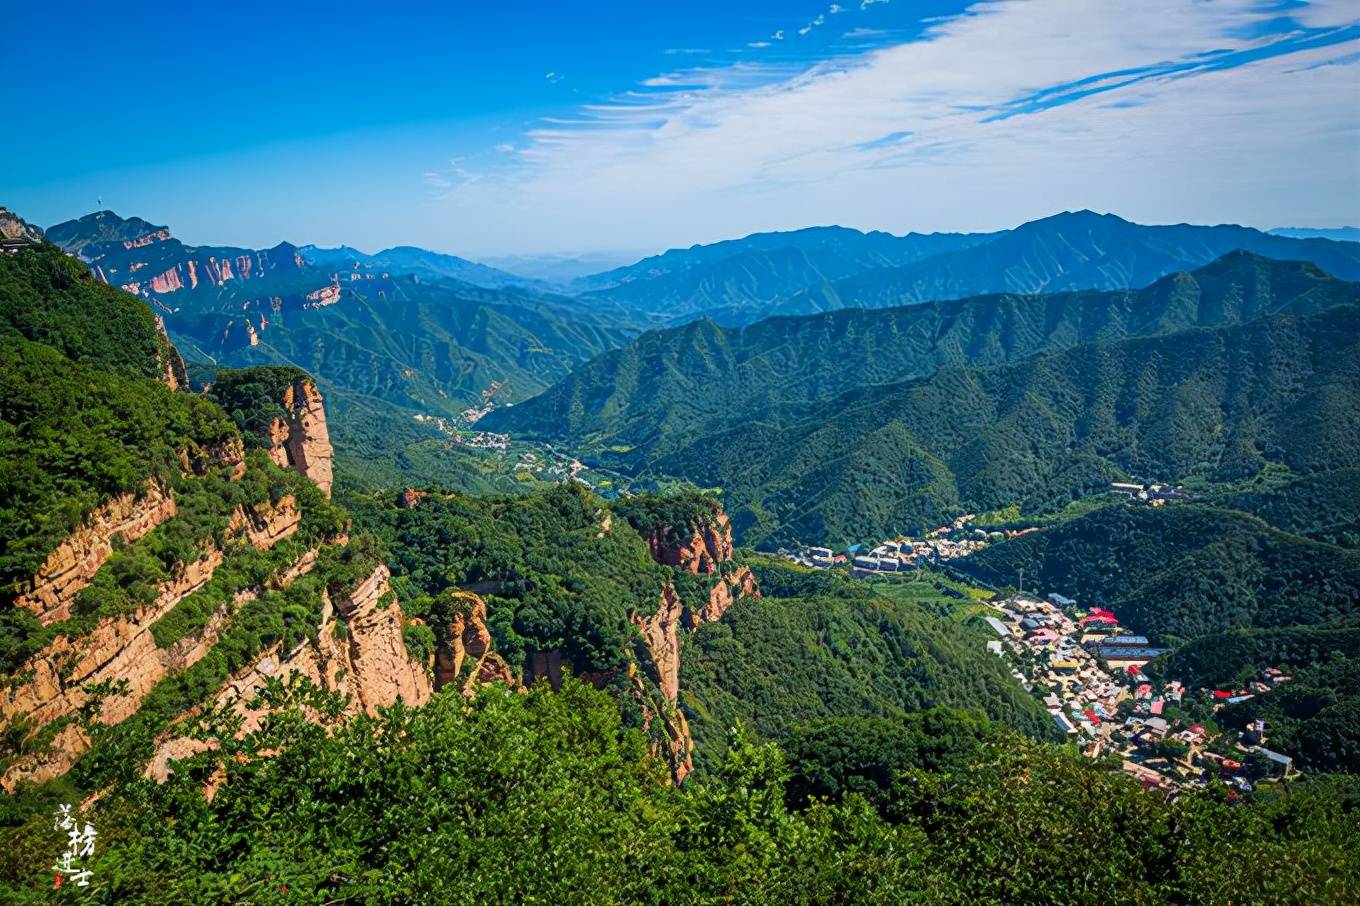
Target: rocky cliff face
{"x": 175, "y": 375}
{"x": 300, "y": 440}
{"x": 15, "y": 232}
{"x": 112, "y": 668}
{"x": 358, "y": 652}
{"x": 116, "y": 248}
{"x": 465, "y": 657}
{"x": 124, "y": 518}
{"x": 72, "y": 565}
{"x": 704, "y": 548}
{"x": 738, "y": 583}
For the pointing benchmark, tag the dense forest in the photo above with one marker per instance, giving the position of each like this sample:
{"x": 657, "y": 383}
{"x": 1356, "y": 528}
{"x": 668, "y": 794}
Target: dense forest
{"x": 818, "y": 647}
{"x": 855, "y": 742}
{"x": 670, "y": 388}
{"x": 1183, "y": 571}
{"x": 853, "y": 425}
{"x": 1219, "y": 404}
{"x": 548, "y": 797}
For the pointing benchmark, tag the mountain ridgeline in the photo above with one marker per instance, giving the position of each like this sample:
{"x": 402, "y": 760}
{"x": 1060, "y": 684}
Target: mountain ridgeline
{"x": 844, "y": 425}
{"x": 258, "y": 693}
{"x": 388, "y": 336}
{"x": 827, "y": 268}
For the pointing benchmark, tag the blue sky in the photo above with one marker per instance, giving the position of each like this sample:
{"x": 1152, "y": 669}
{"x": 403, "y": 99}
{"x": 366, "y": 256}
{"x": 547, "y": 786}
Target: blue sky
{"x": 501, "y": 128}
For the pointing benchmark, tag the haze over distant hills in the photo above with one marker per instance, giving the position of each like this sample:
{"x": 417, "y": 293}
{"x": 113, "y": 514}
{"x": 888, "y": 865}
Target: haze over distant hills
{"x": 388, "y": 336}
{"x": 827, "y": 268}
{"x": 562, "y": 269}
{"x": 1341, "y": 234}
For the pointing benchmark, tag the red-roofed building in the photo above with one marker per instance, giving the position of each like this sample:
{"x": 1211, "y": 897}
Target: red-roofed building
{"x": 1221, "y": 694}
{"x": 1157, "y": 706}
{"x": 1091, "y": 716}
{"x": 1143, "y": 691}
{"x": 1133, "y": 670}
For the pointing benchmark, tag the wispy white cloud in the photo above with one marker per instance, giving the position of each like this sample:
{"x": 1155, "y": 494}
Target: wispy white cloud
{"x": 1182, "y": 110}
{"x": 553, "y": 77}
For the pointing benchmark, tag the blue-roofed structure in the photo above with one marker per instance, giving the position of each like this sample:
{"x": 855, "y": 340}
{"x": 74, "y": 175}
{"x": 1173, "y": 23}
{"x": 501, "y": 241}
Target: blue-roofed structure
{"x": 1130, "y": 652}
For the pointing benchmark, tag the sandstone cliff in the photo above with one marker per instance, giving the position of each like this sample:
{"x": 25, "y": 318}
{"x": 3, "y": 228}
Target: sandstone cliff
{"x": 702, "y": 547}
{"x": 15, "y": 232}
{"x": 300, "y": 439}
{"x": 123, "y": 518}
{"x": 113, "y": 667}
{"x": 73, "y": 564}
{"x": 358, "y": 652}
{"x": 464, "y": 658}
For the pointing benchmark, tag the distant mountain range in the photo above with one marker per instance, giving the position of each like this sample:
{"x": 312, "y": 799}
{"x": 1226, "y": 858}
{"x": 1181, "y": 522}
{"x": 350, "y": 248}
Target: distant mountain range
{"x": 388, "y": 336}
{"x": 407, "y": 259}
{"x": 560, "y": 270}
{"x": 1340, "y": 234}
{"x": 856, "y": 422}
{"x": 828, "y": 268}
{"x": 745, "y": 279}
{"x": 407, "y": 331}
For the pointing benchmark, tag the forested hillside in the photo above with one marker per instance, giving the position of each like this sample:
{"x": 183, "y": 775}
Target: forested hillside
{"x": 386, "y": 340}
{"x": 672, "y": 389}
{"x": 1185, "y": 571}
{"x": 1214, "y": 403}
{"x": 819, "y": 647}
{"x": 205, "y": 659}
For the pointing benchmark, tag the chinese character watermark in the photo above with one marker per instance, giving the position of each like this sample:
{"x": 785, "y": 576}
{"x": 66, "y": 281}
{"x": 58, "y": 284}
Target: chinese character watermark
{"x": 79, "y": 845}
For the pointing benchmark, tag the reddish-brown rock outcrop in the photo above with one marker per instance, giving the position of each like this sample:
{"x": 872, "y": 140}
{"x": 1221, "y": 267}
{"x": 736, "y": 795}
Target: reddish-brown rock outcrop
{"x": 704, "y": 545}
{"x": 410, "y": 498}
{"x": 365, "y": 660}
{"x": 326, "y": 295}
{"x": 705, "y": 549}
{"x": 266, "y": 524}
{"x": 739, "y": 583}
{"x": 465, "y": 658}
{"x": 661, "y": 634}
{"x": 300, "y": 440}
{"x": 73, "y": 564}
{"x": 121, "y": 653}
{"x": 167, "y": 281}
{"x": 146, "y": 239}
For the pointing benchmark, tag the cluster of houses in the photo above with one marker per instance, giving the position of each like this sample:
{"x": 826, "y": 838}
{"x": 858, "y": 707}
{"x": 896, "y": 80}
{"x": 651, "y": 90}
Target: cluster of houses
{"x": 1089, "y": 674}
{"x": 486, "y": 440}
{"x": 1152, "y": 494}
{"x": 946, "y": 542}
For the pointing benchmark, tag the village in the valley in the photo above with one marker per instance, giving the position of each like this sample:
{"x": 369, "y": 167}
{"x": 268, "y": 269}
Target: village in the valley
{"x": 1089, "y": 671}
{"x": 1079, "y": 662}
